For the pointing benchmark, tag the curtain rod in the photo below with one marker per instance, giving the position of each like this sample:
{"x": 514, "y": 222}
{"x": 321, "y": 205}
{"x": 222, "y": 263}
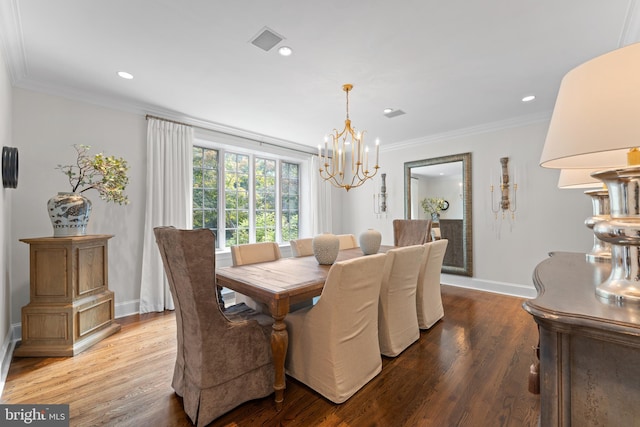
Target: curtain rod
{"x": 149, "y": 116}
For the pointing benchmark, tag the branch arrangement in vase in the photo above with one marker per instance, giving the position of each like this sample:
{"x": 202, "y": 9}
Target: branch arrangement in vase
{"x": 105, "y": 174}
{"x": 433, "y": 205}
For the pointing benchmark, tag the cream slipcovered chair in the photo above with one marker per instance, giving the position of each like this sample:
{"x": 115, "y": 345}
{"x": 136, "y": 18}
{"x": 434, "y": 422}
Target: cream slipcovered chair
{"x": 220, "y": 363}
{"x": 428, "y": 294}
{"x": 333, "y": 346}
{"x": 252, "y": 253}
{"x": 397, "y": 318}
{"x": 407, "y": 232}
{"x": 347, "y": 241}
{"x": 302, "y": 247}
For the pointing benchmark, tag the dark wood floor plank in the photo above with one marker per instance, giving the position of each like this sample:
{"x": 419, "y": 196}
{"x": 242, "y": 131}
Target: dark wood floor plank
{"x": 470, "y": 369}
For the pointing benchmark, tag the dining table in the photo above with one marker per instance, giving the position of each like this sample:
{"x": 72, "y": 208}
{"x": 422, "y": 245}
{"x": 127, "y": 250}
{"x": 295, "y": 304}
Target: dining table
{"x": 280, "y": 284}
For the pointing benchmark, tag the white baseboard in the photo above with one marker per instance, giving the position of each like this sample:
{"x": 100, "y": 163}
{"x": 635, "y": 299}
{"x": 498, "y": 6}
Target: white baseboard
{"x": 512, "y": 289}
{"x": 127, "y": 308}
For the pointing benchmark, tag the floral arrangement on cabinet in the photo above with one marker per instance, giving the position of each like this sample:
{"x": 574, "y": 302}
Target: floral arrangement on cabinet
{"x": 105, "y": 174}
{"x": 432, "y": 206}
{"x": 69, "y": 211}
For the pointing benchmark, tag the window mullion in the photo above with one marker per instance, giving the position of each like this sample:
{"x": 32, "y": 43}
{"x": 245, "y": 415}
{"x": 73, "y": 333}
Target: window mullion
{"x": 222, "y": 203}
{"x": 252, "y": 198}
{"x": 278, "y": 201}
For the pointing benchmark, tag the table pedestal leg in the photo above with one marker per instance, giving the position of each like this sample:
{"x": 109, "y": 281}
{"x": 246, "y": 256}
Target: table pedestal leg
{"x": 279, "y": 344}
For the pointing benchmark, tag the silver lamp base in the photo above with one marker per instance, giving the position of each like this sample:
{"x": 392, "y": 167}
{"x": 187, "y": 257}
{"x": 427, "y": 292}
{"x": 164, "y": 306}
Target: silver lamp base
{"x": 601, "y": 251}
{"x": 622, "y": 231}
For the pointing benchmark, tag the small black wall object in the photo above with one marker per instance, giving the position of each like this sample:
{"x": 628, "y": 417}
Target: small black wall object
{"x": 9, "y": 167}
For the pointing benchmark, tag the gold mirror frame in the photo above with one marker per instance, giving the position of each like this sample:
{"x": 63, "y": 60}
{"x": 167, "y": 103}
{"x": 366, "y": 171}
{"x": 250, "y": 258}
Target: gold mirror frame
{"x": 467, "y": 232}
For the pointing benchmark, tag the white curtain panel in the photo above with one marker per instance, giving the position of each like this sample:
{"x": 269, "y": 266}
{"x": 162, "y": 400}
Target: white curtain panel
{"x": 320, "y": 200}
{"x": 169, "y": 200}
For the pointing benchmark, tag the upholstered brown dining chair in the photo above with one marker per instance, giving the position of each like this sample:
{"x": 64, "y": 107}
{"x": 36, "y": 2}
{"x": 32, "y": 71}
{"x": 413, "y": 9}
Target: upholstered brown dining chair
{"x": 407, "y": 232}
{"x": 223, "y": 359}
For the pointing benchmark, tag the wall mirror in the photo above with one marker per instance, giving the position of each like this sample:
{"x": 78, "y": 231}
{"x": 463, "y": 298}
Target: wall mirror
{"x": 449, "y": 178}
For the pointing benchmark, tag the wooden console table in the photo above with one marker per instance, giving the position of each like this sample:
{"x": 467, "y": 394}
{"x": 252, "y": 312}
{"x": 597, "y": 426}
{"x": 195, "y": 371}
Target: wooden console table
{"x": 71, "y": 307}
{"x": 589, "y": 348}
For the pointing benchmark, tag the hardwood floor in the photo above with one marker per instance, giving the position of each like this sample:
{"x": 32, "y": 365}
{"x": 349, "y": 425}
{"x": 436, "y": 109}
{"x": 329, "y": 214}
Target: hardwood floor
{"x": 470, "y": 369}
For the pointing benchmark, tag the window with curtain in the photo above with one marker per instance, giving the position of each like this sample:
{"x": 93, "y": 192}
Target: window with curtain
{"x": 247, "y": 197}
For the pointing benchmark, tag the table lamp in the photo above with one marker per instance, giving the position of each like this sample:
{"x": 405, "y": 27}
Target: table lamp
{"x": 596, "y": 125}
{"x": 581, "y": 178}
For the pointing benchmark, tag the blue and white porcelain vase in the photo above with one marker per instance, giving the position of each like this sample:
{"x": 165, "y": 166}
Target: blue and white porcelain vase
{"x": 370, "y": 241}
{"x": 69, "y": 213}
{"x": 325, "y": 248}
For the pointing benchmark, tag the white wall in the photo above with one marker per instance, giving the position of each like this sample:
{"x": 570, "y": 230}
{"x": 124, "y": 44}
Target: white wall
{"x": 5, "y": 221}
{"x": 45, "y": 128}
{"x": 547, "y": 219}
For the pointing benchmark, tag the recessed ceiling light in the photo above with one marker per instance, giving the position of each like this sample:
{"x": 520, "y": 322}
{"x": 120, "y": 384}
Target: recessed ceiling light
{"x": 285, "y": 51}
{"x": 387, "y": 110}
{"x": 528, "y": 98}
{"x": 125, "y": 75}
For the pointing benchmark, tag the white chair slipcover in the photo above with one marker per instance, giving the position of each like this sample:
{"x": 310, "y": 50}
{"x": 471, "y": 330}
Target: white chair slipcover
{"x": 347, "y": 241}
{"x": 302, "y": 247}
{"x": 252, "y": 253}
{"x": 333, "y": 345}
{"x": 397, "y": 317}
{"x": 428, "y": 293}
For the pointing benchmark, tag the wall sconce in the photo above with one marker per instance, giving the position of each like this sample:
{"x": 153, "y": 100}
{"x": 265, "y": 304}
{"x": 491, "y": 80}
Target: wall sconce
{"x": 507, "y": 202}
{"x": 380, "y": 199}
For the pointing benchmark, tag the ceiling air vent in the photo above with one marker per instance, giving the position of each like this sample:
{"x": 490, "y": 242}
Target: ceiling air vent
{"x": 266, "y": 39}
{"x": 394, "y": 113}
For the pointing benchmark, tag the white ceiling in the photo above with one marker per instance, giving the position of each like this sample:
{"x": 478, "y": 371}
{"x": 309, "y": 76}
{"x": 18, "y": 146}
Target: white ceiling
{"x": 450, "y": 65}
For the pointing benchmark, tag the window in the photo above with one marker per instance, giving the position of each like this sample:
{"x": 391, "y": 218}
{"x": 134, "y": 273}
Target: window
{"x": 205, "y": 189}
{"x": 257, "y": 196}
{"x": 290, "y": 185}
{"x": 236, "y": 198}
{"x": 265, "y": 181}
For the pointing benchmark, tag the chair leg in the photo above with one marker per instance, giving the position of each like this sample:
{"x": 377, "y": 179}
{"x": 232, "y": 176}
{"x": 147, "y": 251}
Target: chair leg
{"x": 220, "y": 299}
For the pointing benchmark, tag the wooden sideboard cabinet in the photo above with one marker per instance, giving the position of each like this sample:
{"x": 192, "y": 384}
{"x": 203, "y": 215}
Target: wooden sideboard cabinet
{"x": 71, "y": 306}
{"x": 589, "y": 348}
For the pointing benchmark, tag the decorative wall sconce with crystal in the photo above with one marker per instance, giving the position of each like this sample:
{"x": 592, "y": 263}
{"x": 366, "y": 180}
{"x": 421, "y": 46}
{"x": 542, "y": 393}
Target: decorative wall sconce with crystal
{"x": 380, "y": 199}
{"x": 507, "y": 202}
{"x": 581, "y": 178}
{"x": 595, "y": 125}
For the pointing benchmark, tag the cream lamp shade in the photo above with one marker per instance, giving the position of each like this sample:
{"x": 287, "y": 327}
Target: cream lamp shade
{"x": 596, "y": 118}
{"x": 578, "y": 178}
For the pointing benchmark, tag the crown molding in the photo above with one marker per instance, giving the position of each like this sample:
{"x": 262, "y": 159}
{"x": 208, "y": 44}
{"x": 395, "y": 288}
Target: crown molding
{"x": 470, "y": 131}
{"x": 142, "y": 109}
{"x": 12, "y": 41}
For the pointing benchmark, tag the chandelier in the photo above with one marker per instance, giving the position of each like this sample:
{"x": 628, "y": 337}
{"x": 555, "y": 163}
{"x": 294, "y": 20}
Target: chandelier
{"x": 334, "y": 168}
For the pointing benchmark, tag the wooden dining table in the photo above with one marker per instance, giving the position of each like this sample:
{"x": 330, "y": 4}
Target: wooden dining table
{"x": 280, "y": 284}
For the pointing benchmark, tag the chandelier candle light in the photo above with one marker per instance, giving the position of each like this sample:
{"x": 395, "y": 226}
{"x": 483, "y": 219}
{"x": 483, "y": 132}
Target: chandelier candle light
{"x": 334, "y": 167}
